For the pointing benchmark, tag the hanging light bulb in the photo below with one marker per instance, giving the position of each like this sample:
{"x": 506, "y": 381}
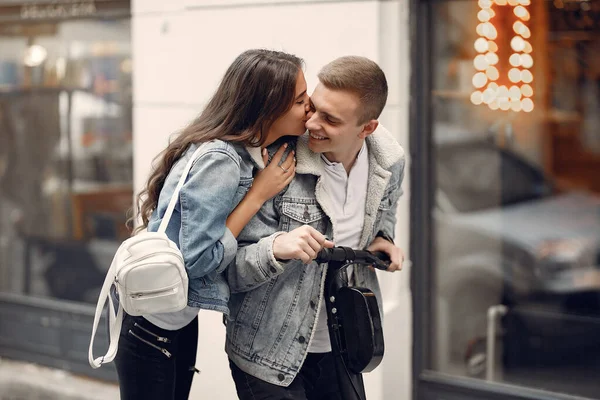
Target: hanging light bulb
{"x": 488, "y": 96}
{"x": 514, "y": 60}
{"x": 481, "y": 45}
{"x": 483, "y": 15}
{"x": 517, "y": 44}
{"x": 515, "y": 106}
{"x": 527, "y": 105}
{"x": 480, "y": 63}
{"x": 492, "y": 46}
{"x": 492, "y": 58}
{"x": 514, "y": 93}
{"x": 527, "y": 90}
{"x": 526, "y": 60}
{"x": 526, "y": 76}
{"x": 514, "y": 75}
{"x": 492, "y": 73}
{"x": 477, "y": 97}
{"x": 479, "y": 80}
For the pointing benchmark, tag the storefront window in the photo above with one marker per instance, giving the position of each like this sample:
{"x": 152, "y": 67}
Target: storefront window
{"x": 516, "y": 216}
{"x": 65, "y": 154}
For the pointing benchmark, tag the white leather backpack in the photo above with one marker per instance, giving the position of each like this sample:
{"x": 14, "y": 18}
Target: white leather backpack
{"x": 149, "y": 273}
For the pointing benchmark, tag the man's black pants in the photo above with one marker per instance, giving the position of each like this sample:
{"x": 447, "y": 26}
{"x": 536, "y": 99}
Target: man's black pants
{"x": 317, "y": 380}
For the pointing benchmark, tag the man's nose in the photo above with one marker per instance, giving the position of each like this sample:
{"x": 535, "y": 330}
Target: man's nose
{"x": 311, "y": 123}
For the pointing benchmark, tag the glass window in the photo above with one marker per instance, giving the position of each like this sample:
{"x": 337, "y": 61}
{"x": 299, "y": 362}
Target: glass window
{"x": 516, "y": 136}
{"x": 65, "y": 154}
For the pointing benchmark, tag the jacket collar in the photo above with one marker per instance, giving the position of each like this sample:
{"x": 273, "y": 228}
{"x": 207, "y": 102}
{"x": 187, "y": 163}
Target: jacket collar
{"x": 383, "y": 150}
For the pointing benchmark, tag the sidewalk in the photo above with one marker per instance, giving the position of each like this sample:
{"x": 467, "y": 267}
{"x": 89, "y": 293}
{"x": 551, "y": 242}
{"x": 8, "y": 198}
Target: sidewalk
{"x": 25, "y": 381}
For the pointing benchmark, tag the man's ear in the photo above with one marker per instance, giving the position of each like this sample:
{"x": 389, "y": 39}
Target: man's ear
{"x": 368, "y": 128}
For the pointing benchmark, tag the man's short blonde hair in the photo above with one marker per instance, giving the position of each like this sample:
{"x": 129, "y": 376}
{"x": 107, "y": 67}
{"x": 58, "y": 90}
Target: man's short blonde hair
{"x": 360, "y": 76}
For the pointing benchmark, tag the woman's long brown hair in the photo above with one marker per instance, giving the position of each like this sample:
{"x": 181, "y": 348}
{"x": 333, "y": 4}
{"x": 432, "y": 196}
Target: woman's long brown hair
{"x": 258, "y": 87}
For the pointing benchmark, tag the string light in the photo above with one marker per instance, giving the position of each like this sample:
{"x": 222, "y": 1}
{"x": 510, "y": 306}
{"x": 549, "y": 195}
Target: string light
{"x": 517, "y": 97}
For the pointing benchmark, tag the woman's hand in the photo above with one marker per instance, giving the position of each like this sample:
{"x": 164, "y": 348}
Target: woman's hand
{"x": 274, "y": 177}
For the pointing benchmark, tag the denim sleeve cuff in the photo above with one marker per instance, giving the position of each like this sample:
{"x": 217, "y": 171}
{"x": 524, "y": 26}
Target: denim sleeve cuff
{"x": 266, "y": 256}
{"x": 230, "y": 246}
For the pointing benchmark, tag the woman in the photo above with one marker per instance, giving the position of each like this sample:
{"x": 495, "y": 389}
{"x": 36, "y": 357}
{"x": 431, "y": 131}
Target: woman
{"x": 261, "y": 98}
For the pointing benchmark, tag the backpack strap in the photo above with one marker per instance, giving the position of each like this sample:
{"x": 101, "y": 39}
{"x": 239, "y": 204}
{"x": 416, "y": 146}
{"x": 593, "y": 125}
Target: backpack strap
{"x": 115, "y": 321}
{"x": 175, "y": 198}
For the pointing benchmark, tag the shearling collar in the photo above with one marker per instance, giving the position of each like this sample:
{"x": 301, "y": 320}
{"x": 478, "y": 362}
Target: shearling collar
{"x": 383, "y": 149}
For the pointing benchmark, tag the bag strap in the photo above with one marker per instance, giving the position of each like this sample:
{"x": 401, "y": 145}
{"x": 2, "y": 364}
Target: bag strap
{"x": 167, "y": 217}
{"x": 115, "y": 321}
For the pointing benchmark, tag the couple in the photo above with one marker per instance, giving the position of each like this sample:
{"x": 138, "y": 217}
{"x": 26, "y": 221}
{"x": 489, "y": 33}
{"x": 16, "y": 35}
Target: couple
{"x": 260, "y": 201}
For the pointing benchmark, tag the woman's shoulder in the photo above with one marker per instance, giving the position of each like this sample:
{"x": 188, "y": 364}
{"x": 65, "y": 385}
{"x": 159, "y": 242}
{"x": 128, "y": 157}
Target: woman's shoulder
{"x": 213, "y": 149}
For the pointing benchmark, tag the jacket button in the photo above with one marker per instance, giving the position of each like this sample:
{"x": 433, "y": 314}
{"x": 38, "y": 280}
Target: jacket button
{"x": 281, "y": 377}
{"x": 302, "y": 339}
{"x": 273, "y": 269}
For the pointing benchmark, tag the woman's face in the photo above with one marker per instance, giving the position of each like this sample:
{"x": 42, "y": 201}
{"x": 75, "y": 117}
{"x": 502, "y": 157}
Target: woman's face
{"x": 292, "y": 122}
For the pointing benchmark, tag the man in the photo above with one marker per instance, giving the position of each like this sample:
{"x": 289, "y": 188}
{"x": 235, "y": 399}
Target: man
{"x": 347, "y": 184}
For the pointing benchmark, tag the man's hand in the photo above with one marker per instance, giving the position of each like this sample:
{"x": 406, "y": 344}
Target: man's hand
{"x": 395, "y": 253}
{"x": 302, "y": 243}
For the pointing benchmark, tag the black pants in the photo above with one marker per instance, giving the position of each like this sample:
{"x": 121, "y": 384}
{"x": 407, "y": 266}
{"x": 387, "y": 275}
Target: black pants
{"x": 316, "y": 380}
{"x": 153, "y": 363}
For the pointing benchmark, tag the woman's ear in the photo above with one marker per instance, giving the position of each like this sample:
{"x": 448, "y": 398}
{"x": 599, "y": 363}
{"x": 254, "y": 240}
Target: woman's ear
{"x": 368, "y": 128}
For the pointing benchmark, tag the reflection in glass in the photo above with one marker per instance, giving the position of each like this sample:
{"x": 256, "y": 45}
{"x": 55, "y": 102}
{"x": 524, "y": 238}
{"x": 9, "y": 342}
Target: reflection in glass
{"x": 65, "y": 155}
{"x": 517, "y": 195}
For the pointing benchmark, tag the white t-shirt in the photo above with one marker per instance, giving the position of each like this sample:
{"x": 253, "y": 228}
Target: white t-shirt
{"x": 348, "y": 195}
{"x": 174, "y": 320}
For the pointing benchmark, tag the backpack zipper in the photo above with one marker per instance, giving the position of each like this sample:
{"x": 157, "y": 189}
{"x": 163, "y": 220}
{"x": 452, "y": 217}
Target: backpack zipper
{"x": 137, "y": 295}
{"x": 162, "y": 350}
{"x": 159, "y": 338}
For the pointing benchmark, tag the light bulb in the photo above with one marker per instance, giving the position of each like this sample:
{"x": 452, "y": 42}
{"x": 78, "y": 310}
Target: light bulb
{"x": 517, "y": 44}
{"x": 479, "y": 80}
{"x": 528, "y": 49}
{"x": 514, "y": 60}
{"x": 514, "y": 75}
{"x": 527, "y": 90}
{"x": 477, "y": 98}
{"x": 481, "y": 45}
{"x": 483, "y": 16}
{"x": 526, "y": 76}
{"x": 515, "y": 106}
{"x": 493, "y": 86}
{"x": 480, "y": 29}
{"x": 527, "y": 105}
{"x": 514, "y": 93}
{"x": 526, "y": 60}
{"x": 488, "y": 96}
{"x": 492, "y": 58}
{"x": 492, "y": 46}
{"x": 493, "y": 105}
{"x": 492, "y": 73}
{"x": 484, "y": 3}
{"x": 480, "y": 63}
{"x": 525, "y": 2}
{"x": 522, "y": 13}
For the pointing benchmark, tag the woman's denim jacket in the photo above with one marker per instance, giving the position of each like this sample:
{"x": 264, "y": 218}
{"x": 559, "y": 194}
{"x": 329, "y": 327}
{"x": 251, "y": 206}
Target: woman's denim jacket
{"x": 217, "y": 181}
{"x": 274, "y": 305}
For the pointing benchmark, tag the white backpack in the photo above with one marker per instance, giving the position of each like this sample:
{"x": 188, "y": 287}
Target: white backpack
{"x": 149, "y": 273}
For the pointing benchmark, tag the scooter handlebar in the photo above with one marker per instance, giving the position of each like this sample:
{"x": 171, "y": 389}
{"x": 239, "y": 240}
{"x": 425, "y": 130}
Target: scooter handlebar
{"x": 377, "y": 259}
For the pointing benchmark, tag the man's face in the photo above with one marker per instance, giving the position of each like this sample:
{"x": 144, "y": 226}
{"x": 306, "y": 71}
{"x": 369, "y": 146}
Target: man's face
{"x": 333, "y": 123}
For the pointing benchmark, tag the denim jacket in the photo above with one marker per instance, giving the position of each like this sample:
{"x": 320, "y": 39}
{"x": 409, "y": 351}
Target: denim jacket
{"x": 274, "y": 304}
{"x": 216, "y": 183}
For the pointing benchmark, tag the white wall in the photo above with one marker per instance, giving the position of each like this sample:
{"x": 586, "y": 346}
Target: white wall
{"x": 181, "y": 49}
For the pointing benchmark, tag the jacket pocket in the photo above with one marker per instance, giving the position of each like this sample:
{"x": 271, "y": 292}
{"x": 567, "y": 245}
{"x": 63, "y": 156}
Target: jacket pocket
{"x": 295, "y": 214}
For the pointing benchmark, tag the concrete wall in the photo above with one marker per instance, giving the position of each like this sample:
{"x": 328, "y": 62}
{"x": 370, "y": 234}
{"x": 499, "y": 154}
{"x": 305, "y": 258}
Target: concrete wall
{"x": 181, "y": 49}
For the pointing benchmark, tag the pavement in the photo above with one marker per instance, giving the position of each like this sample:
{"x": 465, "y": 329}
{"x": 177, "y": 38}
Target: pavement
{"x": 26, "y": 381}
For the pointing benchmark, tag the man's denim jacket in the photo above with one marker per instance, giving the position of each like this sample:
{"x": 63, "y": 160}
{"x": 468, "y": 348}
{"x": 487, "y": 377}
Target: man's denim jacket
{"x": 217, "y": 182}
{"x": 274, "y": 305}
